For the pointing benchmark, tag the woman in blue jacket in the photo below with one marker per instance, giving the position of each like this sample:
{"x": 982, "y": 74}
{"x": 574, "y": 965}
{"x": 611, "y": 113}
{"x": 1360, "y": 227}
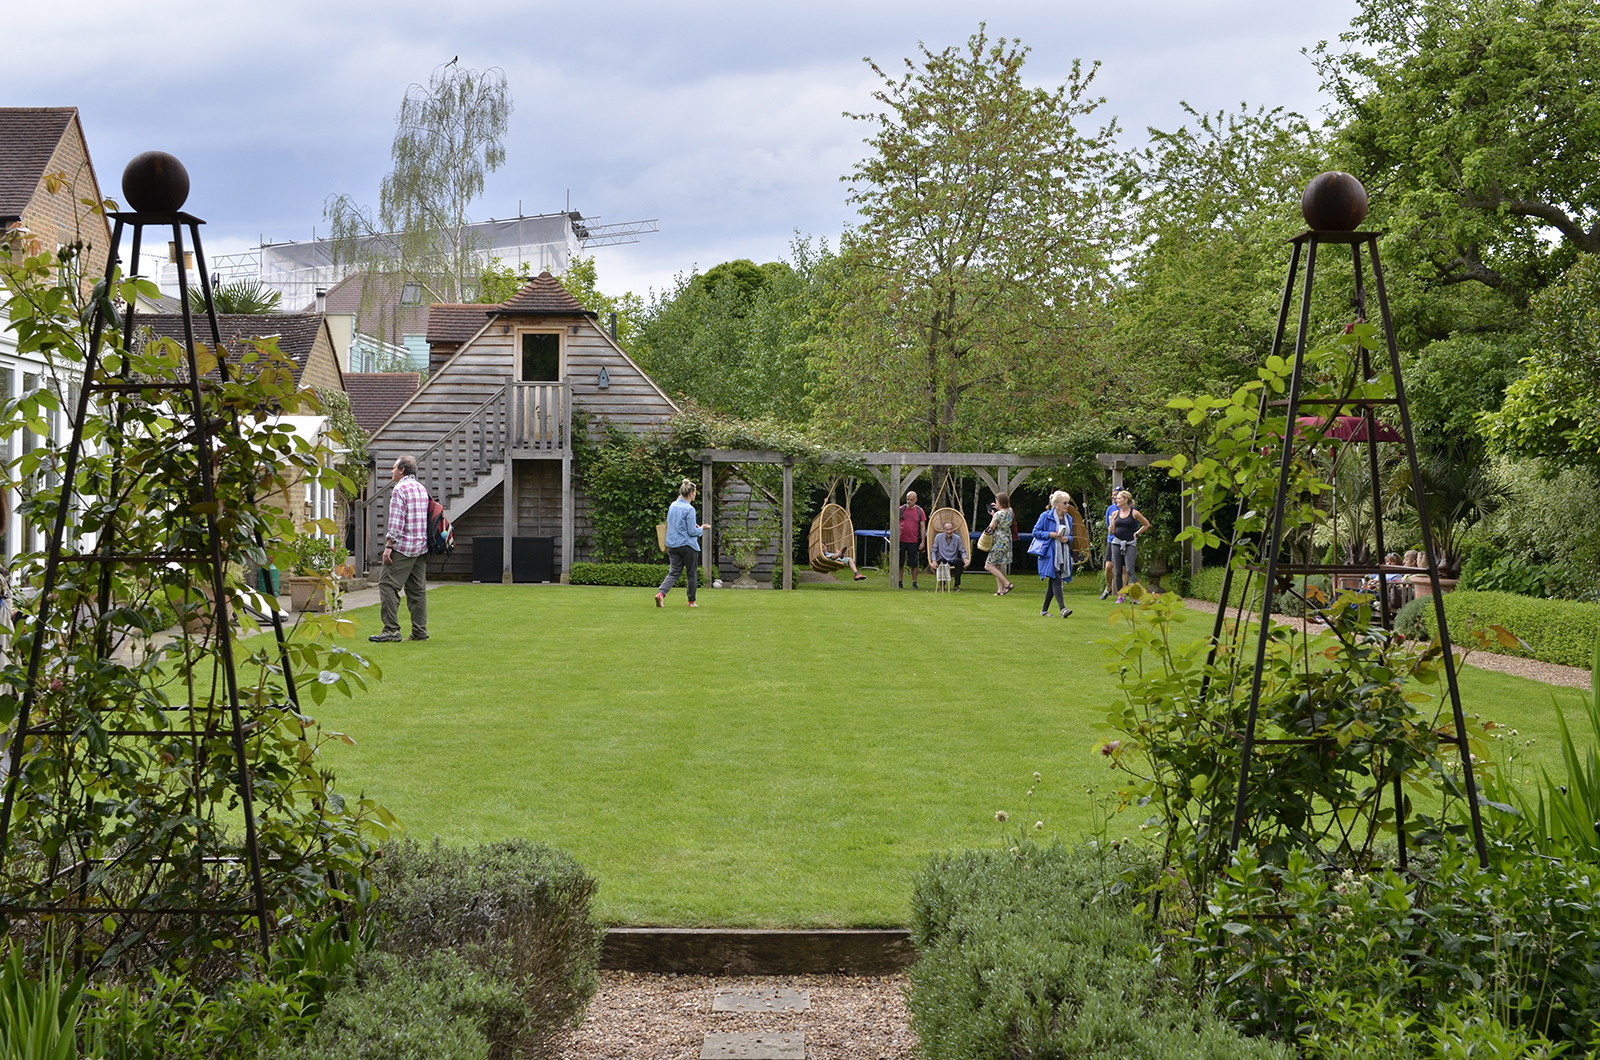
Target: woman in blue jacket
{"x": 1052, "y": 544}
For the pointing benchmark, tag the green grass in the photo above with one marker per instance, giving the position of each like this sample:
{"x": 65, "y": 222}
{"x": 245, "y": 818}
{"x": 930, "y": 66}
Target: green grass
{"x": 769, "y": 759}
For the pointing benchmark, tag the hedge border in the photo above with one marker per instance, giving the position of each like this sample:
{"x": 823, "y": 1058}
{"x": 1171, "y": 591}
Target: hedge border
{"x": 1556, "y": 631}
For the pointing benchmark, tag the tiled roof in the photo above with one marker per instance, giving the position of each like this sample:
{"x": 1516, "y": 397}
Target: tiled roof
{"x": 296, "y": 332}
{"x": 452, "y": 323}
{"x": 375, "y": 301}
{"x": 28, "y": 137}
{"x": 542, "y": 294}
{"x": 374, "y": 396}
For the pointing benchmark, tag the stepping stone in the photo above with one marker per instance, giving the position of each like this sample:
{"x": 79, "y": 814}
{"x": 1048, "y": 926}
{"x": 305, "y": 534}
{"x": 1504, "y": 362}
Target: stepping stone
{"x": 760, "y": 999}
{"x": 770, "y": 1045}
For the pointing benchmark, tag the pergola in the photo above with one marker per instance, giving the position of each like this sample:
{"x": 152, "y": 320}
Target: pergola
{"x": 1001, "y": 472}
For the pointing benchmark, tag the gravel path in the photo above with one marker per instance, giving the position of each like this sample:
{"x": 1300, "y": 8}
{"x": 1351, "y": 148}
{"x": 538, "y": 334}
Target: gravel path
{"x": 656, "y": 1017}
{"x": 1533, "y": 669}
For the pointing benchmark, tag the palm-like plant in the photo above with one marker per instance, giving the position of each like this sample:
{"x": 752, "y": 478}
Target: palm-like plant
{"x": 1461, "y": 490}
{"x": 240, "y": 296}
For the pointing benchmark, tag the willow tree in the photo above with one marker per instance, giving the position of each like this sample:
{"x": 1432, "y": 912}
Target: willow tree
{"x": 982, "y": 256}
{"x": 449, "y": 135}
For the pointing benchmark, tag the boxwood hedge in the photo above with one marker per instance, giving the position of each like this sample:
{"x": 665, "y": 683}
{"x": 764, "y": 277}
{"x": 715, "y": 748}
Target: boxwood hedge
{"x": 637, "y": 575}
{"x": 1556, "y": 631}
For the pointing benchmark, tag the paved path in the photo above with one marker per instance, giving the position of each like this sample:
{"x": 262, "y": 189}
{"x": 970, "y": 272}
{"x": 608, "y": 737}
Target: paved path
{"x": 688, "y": 1017}
{"x": 1533, "y": 669}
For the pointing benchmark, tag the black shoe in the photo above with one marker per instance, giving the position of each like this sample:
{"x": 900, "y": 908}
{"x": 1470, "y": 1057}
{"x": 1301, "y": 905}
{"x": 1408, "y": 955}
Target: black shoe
{"x": 1105, "y": 594}
{"x": 1065, "y": 611}
{"x": 419, "y": 636}
{"x": 386, "y": 637}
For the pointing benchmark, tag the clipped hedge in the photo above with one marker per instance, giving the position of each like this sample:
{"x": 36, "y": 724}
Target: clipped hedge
{"x": 1207, "y": 585}
{"x": 1037, "y": 952}
{"x": 518, "y": 910}
{"x": 1557, "y": 631}
{"x": 636, "y": 575}
{"x": 434, "y": 1007}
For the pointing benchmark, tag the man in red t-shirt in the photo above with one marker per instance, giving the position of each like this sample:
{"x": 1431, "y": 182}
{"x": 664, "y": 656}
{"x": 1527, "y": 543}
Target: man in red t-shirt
{"x": 913, "y": 527}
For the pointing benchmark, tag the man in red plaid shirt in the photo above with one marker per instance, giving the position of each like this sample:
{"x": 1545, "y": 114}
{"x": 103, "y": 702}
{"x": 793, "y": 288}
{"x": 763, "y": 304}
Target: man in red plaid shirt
{"x": 405, "y": 555}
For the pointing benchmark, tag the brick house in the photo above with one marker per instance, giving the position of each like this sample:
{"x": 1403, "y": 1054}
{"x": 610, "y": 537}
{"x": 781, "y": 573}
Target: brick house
{"x": 45, "y": 171}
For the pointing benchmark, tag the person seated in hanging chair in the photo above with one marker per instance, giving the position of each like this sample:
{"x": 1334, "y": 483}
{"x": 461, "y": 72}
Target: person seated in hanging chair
{"x": 847, "y": 559}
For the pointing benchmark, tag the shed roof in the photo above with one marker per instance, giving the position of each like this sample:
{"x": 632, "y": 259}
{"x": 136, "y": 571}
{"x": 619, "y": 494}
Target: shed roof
{"x": 542, "y": 295}
{"x": 28, "y": 137}
{"x": 375, "y": 396}
{"x": 296, "y": 332}
{"x": 455, "y": 322}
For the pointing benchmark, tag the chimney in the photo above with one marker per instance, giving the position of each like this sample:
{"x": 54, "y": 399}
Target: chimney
{"x": 322, "y": 299}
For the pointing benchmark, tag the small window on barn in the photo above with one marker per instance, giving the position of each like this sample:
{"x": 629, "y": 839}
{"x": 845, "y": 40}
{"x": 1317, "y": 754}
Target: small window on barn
{"x": 541, "y": 358}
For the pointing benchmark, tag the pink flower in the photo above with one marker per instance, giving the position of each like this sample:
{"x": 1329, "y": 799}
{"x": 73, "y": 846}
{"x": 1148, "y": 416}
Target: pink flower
{"x": 1110, "y": 747}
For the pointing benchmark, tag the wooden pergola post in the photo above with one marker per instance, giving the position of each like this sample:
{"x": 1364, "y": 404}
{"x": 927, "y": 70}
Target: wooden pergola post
{"x": 894, "y": 524}
{"x": 708, "y": 557}
{"x": 788, "y": 522}
{"x": 508, "y": 518}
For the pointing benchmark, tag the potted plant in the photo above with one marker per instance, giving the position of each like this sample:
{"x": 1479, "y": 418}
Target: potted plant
{"x": 311, "y": 578}
{"x": 746, "y": 534}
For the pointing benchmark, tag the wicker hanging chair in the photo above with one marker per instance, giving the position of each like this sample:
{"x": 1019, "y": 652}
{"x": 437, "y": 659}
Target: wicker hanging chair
{"x": 1080, "y": 533}
{"x": 936, "y": 522}
{"x": 832, "y": 533}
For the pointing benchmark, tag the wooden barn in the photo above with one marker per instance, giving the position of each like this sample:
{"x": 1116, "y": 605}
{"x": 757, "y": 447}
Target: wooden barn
{"x": 494, "y": 421}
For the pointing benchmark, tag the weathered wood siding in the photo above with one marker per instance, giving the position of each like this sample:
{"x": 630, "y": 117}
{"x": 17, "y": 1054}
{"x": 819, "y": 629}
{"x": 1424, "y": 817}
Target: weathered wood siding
{"x": 632, "y": 400}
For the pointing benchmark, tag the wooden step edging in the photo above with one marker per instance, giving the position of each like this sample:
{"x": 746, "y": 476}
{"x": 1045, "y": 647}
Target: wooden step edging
{"x": 757, "y": 951}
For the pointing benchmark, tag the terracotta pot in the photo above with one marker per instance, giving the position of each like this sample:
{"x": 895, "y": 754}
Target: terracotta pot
{"x": 307, "y": 593}
{"x": 1421, "y": 586}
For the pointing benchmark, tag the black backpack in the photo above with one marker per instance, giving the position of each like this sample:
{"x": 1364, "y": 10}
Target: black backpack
{"x": 441, "y": 536}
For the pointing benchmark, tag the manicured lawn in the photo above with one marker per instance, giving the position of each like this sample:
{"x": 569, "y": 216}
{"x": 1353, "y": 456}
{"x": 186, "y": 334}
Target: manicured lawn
{"x": 772, "y": 759}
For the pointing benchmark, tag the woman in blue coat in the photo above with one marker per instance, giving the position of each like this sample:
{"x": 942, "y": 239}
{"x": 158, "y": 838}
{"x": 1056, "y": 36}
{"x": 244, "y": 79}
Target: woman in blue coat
{"x": 1052, "y": 544}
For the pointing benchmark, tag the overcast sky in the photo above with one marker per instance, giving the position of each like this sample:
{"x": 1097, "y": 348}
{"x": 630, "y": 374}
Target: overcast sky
{"x": 724, "y": 121}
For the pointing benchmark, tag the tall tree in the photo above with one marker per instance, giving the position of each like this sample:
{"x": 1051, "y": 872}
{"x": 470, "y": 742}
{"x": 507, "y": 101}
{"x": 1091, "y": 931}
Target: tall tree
{"x": 1475, "y": 125}
{"x": 984, "y": 249}
{"x": 449, "y": 135}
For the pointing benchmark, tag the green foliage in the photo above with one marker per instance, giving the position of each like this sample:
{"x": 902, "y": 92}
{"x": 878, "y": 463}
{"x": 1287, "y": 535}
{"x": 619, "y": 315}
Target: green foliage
{"x": 118, "y": 801}
{"x": 316, "y": 556}
{"x": 1037, "y": 951}
{"x": 1556, "y": 631}
{"x": 1214, "y": 204}
{"x": 637, "y": 575}
{"x": 736, "y": 339}
{"x": 630, "y": 480}
{"x": 1560, "y": 820}
{"x": 1476, "y": 117}
{"x": 346, "y": 433}
{"x": 38, "y": 1016}
{"x": 437, "y": 1006}
{"x": 1510, "y": 950}
{"x": 1181, "y": 709}
{"x": 1516, "y": 574}
{"x": 241, "y": 296}
{"x": 1550, "y": 411}
{"x": 520, "y": 911}
{"x": 943, "y": 335}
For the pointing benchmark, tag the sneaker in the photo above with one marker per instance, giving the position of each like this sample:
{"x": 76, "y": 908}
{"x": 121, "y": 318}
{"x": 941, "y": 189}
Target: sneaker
{"x": 1105, "y": 594}
{"x": 660, "y": 597}
{"x": 386, "y": 637}
{"x": 693, "y": 604}
{"x": 1066, "y": 611}
{"x": 1122, "y": 599}
{"x": 861, "y": 577}
{"x": 419, "y": 636}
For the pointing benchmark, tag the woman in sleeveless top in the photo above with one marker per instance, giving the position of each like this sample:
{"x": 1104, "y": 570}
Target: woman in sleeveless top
{"x": 1000, "y": 528}
{"x": 1125, "y": 524}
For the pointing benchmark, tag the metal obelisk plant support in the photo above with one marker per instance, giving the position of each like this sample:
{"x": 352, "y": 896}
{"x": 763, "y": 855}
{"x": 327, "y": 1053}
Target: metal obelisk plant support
{"x": 156, "y": 186}
{"x": 1334, "y": 205}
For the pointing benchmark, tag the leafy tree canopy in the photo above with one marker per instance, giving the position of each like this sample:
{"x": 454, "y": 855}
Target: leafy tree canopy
{"x": 1476, "y": 126}
{"x": 982, "y": 259}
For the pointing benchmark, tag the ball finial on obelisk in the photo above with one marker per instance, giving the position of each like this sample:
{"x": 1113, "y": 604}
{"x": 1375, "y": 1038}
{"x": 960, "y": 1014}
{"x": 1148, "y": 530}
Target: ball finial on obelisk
{"x": 155, "y": 182}
{"x": 1334, "y": 202}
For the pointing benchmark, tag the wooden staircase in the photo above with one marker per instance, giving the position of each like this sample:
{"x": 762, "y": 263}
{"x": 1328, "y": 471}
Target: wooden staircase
{"x": 518, "y": 421}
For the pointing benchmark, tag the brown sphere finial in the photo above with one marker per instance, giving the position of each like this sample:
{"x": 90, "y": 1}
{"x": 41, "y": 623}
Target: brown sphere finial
{"x": 155, "y": 182}
{"x": 1334, "y": 202}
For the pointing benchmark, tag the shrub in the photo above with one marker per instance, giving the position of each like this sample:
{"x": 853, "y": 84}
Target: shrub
{"x": 1516, "y": 574}
{"x": 437, "y": 1007}
{"x": 519, "y": 910}
{"x": 1038, "y": 952}
{"x": 1556, "y": 631}
{"x": 637, "y": 575}
{"x": 1207, "y": 585}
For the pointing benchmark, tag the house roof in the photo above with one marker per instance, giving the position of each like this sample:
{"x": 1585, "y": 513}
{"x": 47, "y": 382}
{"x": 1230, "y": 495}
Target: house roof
{"x": 296, "y": 332}
{"x": 542, "y": 295}
{"x": 374, "y": 396}
{"x": 28, "y": 137}
{"x": 454, "y": 322}
{"x": 375, "y": 303}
